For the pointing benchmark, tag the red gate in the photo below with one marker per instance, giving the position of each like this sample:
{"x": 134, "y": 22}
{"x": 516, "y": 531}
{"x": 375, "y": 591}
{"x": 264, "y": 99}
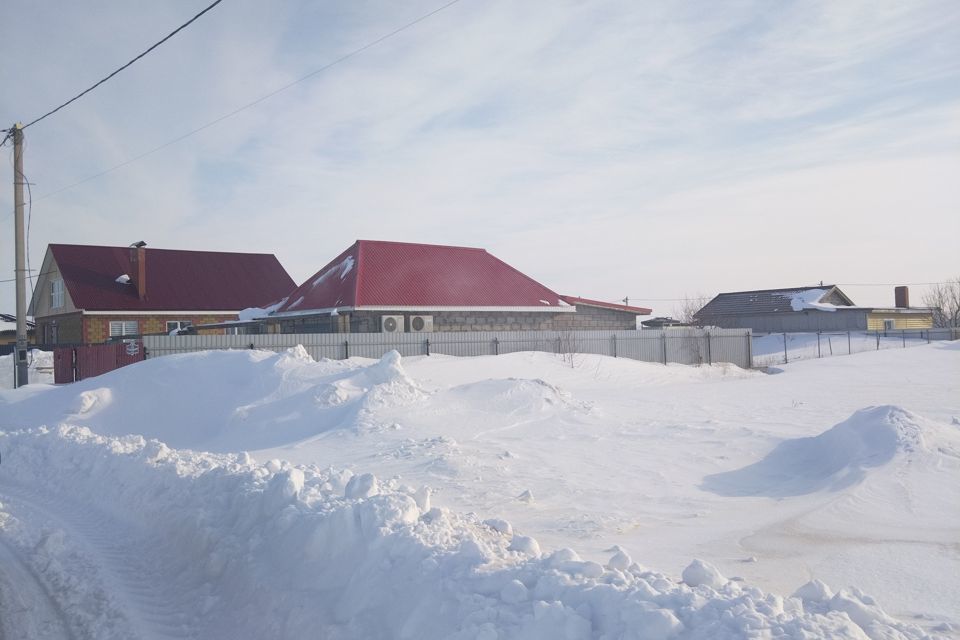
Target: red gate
{"x": 71, "y": 364}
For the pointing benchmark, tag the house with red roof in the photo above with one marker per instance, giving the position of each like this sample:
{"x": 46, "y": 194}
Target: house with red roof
{"x": 376, "y": 286}
{"x": 89, "y": 294}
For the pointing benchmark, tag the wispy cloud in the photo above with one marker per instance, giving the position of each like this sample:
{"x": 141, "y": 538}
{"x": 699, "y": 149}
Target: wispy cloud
{"x": 608, "y": 148}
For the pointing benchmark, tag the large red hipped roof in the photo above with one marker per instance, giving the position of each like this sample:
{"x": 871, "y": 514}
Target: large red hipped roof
{"x": 176, "y": 280}
{"x": 400, "y": 274}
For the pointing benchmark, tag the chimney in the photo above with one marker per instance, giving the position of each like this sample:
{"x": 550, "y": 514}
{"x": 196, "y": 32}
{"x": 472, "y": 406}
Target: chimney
{"x": 901, "y": 297}
{"x": 138, "y": 267}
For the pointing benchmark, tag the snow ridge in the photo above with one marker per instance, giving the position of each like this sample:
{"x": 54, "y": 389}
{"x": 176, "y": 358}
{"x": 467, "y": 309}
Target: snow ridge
{"x": 280, "y": 551}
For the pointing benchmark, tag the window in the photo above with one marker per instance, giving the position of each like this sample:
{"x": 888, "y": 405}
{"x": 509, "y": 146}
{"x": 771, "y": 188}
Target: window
{"x": 56, "y": 293}
{"x": 120, "y": 328}
{"x": 176, "y": 325}
{"x": 889, "y": 324}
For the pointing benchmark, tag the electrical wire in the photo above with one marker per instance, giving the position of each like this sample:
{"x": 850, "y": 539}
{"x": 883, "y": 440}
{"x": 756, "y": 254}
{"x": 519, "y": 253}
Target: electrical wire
{"x": 88, "y": 90}
{"x": 253, "y": 103}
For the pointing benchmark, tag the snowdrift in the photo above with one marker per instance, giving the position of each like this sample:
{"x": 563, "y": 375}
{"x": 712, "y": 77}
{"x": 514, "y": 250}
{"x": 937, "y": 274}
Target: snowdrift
{"x": 279, "y": 551}
{"x": 842, "y": 456}
{"x": 223, "y": 400}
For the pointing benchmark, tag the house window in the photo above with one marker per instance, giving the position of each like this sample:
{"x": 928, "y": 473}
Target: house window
{"x": 56, "y": 293}
{"x": 889, "y": 324}
{"x": 177, "y": 325}
{"x": 120, "y": 328}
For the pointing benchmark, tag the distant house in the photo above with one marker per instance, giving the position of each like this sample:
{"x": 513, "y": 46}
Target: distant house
{"x": 89, "y": 294}
{"x": 376, "y": 286}
{"x": 662, "y": 323}
{"x": 816, "y": 308}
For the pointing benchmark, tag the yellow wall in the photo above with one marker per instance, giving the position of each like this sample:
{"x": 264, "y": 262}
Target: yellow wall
{"x": 900, "y": 320}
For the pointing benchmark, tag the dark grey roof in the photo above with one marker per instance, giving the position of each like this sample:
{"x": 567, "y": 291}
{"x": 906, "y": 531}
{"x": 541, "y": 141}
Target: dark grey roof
{"x": 768, "y": 301}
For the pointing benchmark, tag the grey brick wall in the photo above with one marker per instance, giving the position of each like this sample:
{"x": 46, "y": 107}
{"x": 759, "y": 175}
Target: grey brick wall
{"x": 445, "y": 321}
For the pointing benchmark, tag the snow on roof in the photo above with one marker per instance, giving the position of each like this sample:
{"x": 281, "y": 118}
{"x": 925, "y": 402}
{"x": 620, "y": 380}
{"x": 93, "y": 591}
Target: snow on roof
{"x": 776, "y": 301}
{"x": 810, "y": 299}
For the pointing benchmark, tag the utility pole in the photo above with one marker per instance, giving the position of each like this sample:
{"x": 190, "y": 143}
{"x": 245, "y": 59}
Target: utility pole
{"x": 20, "y": 272}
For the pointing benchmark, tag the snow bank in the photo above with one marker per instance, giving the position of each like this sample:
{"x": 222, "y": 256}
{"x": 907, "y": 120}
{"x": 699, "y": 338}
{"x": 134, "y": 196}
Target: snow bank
{"x": 287, "y": 552}
{"x": 224, "y": 400}
{"x": 40, "y": 368}
{"x": 840, "y": 457}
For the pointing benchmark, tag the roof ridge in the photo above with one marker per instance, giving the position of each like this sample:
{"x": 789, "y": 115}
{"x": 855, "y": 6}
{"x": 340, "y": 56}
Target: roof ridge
{"x": 420, "y": 244}
{"x": 107, "y": 246}
{"x": 784, "y": 289}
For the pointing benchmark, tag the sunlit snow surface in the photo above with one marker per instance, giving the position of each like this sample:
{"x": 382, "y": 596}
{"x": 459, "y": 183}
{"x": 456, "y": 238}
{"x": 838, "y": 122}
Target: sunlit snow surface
{"x": 517, "y": 496}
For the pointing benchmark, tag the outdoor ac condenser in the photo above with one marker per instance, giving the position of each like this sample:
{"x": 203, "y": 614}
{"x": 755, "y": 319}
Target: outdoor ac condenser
{"x": 420, "y": 324}
{"x": 391, "y": 324}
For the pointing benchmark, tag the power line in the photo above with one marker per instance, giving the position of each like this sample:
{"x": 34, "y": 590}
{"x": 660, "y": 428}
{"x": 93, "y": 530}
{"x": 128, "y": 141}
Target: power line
{"x": 253, "y": 103}
{"x": 88, "y": 90}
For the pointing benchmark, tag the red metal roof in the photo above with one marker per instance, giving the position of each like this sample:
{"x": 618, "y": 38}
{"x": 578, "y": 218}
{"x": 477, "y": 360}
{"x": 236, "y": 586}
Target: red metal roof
{"x": 399, "y": 274}
{"x": 574, "y": 300}
{"x": 176, "y": 280}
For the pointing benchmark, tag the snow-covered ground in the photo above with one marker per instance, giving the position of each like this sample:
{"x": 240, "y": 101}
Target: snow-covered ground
{"x": 39, "y": 368}
{"x": 516, "y": 496}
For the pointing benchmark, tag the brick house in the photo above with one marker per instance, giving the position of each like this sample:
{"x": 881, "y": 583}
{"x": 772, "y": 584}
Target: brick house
{"x": 89, "y": 294}
{"x": 377, "y": 286}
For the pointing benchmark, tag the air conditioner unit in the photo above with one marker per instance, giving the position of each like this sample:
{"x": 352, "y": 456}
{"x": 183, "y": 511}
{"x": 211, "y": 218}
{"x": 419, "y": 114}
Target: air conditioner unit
{"x": 391, "y": 324}
{"x": 419, "y": 324}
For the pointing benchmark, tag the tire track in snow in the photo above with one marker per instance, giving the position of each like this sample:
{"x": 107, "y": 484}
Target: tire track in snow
{"x": 150, "y": 599}
{"x": 26, "y": 608}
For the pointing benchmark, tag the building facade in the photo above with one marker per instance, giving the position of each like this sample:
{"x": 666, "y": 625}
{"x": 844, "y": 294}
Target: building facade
{"x": 376, "y": 286}
{"x": 91, "y": 294}
{"x": 808, "y": 309}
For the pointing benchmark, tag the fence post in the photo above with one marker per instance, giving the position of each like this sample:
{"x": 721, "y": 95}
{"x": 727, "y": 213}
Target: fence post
{"x": 426, "y": 345}
{"x": 849, "y": 349}
{"x": 614, "y": 338}
{"x": 878, "y": 339}
{"x": 928, "y": 336}
{"x": 496, "y": 346}
{"x": 819, "y": 355}
{"x": 903, "y": 334}
{"x": 709, "y": 350}
{"x": 663, "y": 340}
{"x": 830, "y": 344}
{"x": 786, "y": 360}
{"x": 346, "y": 349}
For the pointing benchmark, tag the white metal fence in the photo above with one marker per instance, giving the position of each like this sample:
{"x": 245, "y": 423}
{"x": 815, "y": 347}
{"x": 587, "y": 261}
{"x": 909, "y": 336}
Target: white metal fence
{"x": 781, "y": 348}
{"x": 685, "y": 346}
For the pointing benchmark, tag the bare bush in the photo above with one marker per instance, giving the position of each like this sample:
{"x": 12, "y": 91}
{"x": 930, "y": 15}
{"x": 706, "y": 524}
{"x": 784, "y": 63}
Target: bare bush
{"x": 686, "y": 310}
{"x": 944, "y": 299}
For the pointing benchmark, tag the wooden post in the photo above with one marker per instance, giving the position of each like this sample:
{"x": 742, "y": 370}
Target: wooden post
{"x": 786, "y": 360}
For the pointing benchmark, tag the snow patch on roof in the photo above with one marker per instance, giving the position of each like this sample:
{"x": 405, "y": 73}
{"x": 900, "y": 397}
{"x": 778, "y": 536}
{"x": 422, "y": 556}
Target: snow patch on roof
{"x": 252, "y": 313}
{"x": 342, "y": 268}
{"x": 124, "y": 279}
{"x": 810, "y": 299}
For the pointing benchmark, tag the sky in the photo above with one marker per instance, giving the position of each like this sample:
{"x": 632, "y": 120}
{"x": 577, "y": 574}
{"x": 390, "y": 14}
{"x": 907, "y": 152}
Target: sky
{"x": 608, "y": 149}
